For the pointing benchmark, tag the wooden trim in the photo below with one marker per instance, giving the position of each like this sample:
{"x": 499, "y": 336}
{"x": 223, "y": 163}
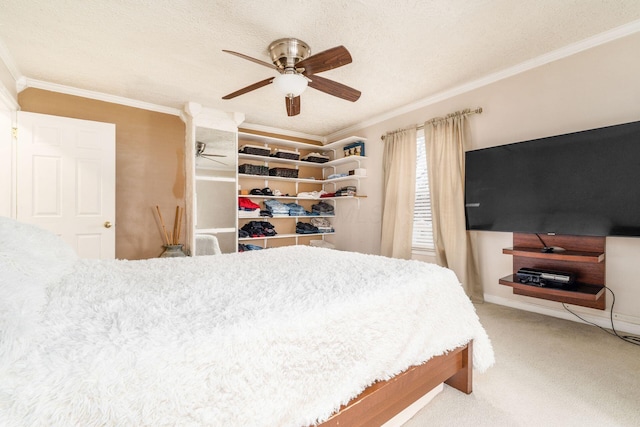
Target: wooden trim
{"x": 578, "y": 256}
{"x": 383, "y": 400}
{"x": 588, "y": 244}
{"x": 281, "y": 136}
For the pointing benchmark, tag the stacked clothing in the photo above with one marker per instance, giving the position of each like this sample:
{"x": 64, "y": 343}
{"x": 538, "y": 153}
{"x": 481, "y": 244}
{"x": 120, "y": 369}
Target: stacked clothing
{"x": 306, "y": 228}
{"x": 337, "y": 175}
{"x": 247, "y": 209}
{"x": 322, "y": 224}
{"x": 244, "y": 248}
{"x": 296, "y": 210}
{"x": 276, "y": 207}
{"x": 349, "y": 190}
{"x": 257, "y": 229}
{"x": 323, "y": 208}
{"x": 311, "y": 194}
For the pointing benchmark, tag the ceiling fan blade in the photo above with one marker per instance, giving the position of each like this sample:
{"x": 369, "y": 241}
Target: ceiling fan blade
{"x": 248, "y": 58}
{"x": 334, "y": 88}
{"x": 212, "y": 155}
{"x": 326, "y": 60}
{"x": 214, "y": 160}
{"x": 293, "y": 105}
{"x": 249, "y": 88}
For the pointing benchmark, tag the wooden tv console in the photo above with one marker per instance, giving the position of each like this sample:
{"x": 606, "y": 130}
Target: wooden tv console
{"x": 584, "y": 256}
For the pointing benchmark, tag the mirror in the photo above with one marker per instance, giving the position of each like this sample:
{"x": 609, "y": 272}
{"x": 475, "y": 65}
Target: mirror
{"x": 216, "y": 191}
{"x": 215, "y": 150}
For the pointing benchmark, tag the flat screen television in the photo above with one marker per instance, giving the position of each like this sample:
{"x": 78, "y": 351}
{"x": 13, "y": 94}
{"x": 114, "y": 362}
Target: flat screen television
{"x": 584, "y": 183}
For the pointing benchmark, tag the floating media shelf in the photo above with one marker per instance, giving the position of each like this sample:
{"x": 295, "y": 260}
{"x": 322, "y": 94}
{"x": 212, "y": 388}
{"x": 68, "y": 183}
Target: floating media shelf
{"x": 583, "y": 256}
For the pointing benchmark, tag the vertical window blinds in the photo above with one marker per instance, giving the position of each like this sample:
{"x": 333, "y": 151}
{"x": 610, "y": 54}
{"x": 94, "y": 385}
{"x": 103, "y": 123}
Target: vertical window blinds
{"x": 422, "y": 225}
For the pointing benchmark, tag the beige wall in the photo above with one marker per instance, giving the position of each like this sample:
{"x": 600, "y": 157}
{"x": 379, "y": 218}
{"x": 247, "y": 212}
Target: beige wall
{"x": 149, "y": 164}
{"x": 594, "y": 88}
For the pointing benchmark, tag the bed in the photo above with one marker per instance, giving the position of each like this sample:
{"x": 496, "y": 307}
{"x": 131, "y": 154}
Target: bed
{"x": 292, "y": 336}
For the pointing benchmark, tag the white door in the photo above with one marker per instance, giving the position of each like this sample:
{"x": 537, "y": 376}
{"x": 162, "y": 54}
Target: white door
{"x": 66, "y": 180}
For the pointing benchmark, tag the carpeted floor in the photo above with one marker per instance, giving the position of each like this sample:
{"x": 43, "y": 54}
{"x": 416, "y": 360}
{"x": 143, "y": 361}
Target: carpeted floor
{"x": 548, "y": 372}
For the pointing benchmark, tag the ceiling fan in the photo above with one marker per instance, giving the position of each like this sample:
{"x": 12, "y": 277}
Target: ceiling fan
{"x": 201, "y": 146}
{"x": 297, "y": 68}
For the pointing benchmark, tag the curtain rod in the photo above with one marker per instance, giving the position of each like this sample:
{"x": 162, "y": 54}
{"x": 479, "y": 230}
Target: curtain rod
{"x": 466, "y": 112}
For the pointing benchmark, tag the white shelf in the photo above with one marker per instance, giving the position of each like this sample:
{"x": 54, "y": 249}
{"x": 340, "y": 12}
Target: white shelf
{"x": 344, "y": 178}
{"x": 305, "y": 180}
{"x": 330, "y": 163}
{"x": 269, "y": 159}
{"x": 345, "y": 141}
{"x": 269, "y": 140}
{"x": 280, "y": 178}
{"x": 268, "y": 218}
{"x": 259, "y": 196}
{"x": 345, "y": 160}
{"x": 215, "y": 178}
{"x": 282, "y": 236}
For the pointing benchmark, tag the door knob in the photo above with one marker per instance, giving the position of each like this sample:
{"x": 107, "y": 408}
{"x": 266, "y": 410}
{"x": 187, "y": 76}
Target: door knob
{"x": 107, "y": 224}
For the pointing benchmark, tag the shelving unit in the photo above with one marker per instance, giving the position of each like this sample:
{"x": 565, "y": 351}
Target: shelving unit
{"x": 311, "y": 177}
{"x": 583, "y": 256}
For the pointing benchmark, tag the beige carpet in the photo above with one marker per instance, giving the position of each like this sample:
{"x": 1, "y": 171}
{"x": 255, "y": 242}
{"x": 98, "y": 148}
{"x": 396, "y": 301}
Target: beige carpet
{"x": 548, "y": 372}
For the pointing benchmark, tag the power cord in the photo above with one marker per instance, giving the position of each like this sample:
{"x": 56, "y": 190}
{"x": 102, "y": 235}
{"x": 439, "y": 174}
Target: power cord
{"x": 628, "y": 338}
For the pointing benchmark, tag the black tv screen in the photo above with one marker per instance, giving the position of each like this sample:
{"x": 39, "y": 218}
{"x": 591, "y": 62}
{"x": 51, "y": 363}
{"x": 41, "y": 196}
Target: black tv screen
{"x": 584, "y": 183}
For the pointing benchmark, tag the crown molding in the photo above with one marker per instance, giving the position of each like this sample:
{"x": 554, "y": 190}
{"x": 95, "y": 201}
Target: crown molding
{"x": 24, "y": 83}
{"x": 8, "y": 62}
{"x": 7, "y": 99}
{"x": 564, "y": 52}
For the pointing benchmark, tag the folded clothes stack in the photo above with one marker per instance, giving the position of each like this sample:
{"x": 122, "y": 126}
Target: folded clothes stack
{"x": 322, "y": 224}
{"x": 296, "y": 210}
{"x": 306, "y": 228}
{"x": 337, "y": 175}
{"x": 323, "y": 208}
{"x": 257, "y": 229}
{"x": 311, "y": 194}
{"x": 349, "y": 190}
{"x": 276, "y": 207}
{"x": 247, "y": 208}
{"x": 264, "y": 192}
{"x": 244, "y": 248}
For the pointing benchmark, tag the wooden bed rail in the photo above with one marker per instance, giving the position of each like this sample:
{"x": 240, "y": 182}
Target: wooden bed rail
{"x": 383, "y": 400}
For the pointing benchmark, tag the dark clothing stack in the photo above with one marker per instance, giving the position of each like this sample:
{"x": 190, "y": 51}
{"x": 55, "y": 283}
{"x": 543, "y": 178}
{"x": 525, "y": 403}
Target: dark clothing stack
{"x": 306, "y": 228}
{"x": 323, "y": 208}
{"x": 257, "y": 229}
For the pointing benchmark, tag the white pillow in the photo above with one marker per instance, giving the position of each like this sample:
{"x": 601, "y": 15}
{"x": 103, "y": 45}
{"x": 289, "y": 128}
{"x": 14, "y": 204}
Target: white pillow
{"x": 30, "y": 259}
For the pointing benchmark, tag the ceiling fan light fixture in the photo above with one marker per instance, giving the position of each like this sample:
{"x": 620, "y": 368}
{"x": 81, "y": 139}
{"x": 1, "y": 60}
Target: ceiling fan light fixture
{"x": 290, "y": 84}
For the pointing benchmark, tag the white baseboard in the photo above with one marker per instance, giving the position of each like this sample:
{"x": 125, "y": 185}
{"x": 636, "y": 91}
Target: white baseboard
{"x": 622, "y": 323}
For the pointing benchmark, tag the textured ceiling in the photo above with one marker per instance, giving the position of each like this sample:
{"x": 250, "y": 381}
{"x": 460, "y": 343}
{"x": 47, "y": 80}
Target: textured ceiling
{"x": 170, "y": 52}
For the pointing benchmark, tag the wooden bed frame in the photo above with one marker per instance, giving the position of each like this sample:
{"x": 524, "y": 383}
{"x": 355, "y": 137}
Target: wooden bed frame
{"x": 383, "y": 400}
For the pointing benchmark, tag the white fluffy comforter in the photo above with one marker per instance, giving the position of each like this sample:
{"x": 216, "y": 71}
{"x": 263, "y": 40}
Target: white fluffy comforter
{"x": 279, "y": 337}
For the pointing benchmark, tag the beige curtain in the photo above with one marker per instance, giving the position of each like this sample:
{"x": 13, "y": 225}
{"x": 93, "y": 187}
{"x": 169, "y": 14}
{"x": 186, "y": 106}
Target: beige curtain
{"x": 445, "y": 143}
{"x": 399, "y": 170}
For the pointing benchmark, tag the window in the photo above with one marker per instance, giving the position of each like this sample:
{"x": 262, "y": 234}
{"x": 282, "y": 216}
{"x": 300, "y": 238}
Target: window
{"x": 422, "y": 225}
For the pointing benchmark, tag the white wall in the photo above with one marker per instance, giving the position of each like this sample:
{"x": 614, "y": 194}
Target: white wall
{"x": 8, "y": 107}
{"x": 592, "y": 88}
